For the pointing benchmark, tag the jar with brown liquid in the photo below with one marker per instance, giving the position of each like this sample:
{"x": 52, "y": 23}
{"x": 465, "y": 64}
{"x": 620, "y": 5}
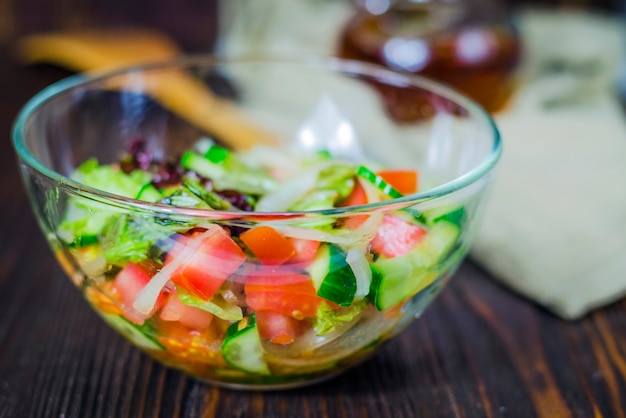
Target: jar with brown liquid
{"x": 468, "y": 44}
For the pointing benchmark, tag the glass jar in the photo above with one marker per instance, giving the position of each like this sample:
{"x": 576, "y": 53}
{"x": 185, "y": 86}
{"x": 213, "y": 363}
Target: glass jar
{"x": 470, "y": 45}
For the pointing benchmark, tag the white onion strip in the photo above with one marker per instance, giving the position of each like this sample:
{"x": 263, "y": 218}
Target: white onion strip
{"x": 147, "y": 298}
{"x": 363, "y": 234}
{"x": 289, "y": 191}
{"x": 362, "y": 272}
{"x": 371, "y": 192}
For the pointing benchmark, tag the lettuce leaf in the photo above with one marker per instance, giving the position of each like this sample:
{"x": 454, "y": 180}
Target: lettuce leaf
{"x": 217, "y": 305}
{"x": 327, "y": 319}
{"x": 85, "y": 217}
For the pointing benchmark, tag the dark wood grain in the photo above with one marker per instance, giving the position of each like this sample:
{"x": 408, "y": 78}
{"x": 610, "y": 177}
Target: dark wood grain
{"x": 479, "y": 351}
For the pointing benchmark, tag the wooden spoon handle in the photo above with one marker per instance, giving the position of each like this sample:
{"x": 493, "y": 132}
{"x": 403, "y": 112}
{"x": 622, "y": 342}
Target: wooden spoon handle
{"x": 174, "y": 89}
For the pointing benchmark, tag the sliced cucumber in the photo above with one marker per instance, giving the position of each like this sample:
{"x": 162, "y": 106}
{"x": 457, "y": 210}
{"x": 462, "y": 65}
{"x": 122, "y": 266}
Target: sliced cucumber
{"x": 456, "y": 215}
{"x": 83, "y": 241}
{"x": 135, "y": 333}
{"x": 149, "y": 193}
{"x": 332, "y": 276}
{"x": 396, "y": 279}
{"x": 242, "y": 349}
{"x": 441, "y": 238}
{"x": 192, "y": 161}
{"x": 378, "y": 181}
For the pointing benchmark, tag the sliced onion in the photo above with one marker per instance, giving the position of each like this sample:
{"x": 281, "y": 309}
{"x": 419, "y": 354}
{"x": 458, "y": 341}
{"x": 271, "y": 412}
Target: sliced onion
{"x": 371, "y": 192}
{"x": 363, "y": 234}
{"x": 147, "y": 298}
{"x": 172, "y": 311}
{"x": 288, "y": 192}
{"x": 203, "y": 145}
{"x": 267, "y": 157}
{"x": 362, "y": 272}
{"x": 366, "y": 232}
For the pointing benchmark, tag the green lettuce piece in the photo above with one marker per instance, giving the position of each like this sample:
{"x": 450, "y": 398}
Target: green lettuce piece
{"x": 130, "y": 239}
{"x": 315, "y": 200}
{"x": 229, "y": 173}
{"x": 112, "y": 180}
{"x": 333, "y": 184}
{"x": 216, "y": 306}
{"x": 337, "y": 177}
{"x": 327, "y": 319}
{"x": 212, "y": 199}
{"x": 85, "y": 217}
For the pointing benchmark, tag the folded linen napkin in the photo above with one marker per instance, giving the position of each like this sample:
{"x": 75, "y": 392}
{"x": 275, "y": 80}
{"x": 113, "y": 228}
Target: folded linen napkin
{"x": 555, "y": 227}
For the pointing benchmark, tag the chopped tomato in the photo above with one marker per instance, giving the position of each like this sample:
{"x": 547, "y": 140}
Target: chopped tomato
{"x": 268, "y": 245}
{"x": 358, "y": 196}
{"x": 396, "y": 237}
{"x": 279, "y": 329}
{"x": 282, "y": 291}
{"x": 190, "y": 344}
{"x": 177, "y": 243}
{"x": 353, "y": 221}
{"x": 128, "y": 283}
{"x": 404, "y": 181}
{"x": 175, "y": 310}
{"x": 216, "y": 258}
{"x": 305, "y": 250}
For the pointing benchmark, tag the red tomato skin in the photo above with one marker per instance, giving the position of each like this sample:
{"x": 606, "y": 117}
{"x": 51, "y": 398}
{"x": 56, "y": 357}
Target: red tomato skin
{"x": 396, "y": 237}
{"x": 268, "y": 245}
{"x": 279, "y": 329}
{"x": 282, "y": 291}
{"x": 128, "y": 283}
{"x": 175, "y": 310}
{"x": 204, "y": 272}
{"x": 305, "y": 251}
{"x": 357, "y": 197}
{"x": 404, "y": 181}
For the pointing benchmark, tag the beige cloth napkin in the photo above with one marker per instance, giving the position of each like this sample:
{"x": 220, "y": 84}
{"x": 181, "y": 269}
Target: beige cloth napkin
{"x": 555, "y": 226}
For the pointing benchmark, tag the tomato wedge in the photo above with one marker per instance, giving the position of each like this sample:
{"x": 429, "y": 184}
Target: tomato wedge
{"x": 128, "y": 283}
{"x": 404, "y": 181}
{"x": 282, "y": 291}
{"x": 396, "y": 237}
{"x": 268, "y": 245}
{"x": 279, "y": 329}
{"x": 217, "y": 257}
{"x": 175, "y": 310}
{"x": 357, "y": 197}
{"x": 305, "y": 250}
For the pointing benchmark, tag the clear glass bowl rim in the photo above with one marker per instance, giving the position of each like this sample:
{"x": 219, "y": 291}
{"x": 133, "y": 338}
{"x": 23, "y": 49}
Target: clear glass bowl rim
{"x": 337, "y": 65}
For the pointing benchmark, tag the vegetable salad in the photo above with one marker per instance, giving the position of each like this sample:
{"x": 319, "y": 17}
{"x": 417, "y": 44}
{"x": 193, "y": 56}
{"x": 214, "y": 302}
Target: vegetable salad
{"x": 253, "y": 299}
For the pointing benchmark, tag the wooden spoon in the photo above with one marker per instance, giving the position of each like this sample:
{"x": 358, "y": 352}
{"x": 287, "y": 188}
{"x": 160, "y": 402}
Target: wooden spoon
{"x": 91, "y": 51}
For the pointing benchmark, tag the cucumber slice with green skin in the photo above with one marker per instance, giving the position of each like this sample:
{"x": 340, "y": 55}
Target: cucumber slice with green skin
{"x": 149, "y": 193}
{"x": 456, "y": 215}
{"x": 396, "y": 279}
{"x": 135, "y": 333}
{"x": 216, "y": 154}
{"x": 378, "y": 181}
{"x": 83, "y": 241}
{"x": 332, "y": 276}
{"x": 242, "y": 349}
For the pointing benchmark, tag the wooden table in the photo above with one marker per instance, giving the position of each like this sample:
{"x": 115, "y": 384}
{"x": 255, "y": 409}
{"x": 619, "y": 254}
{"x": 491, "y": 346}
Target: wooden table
{"x": 479, "y": 351}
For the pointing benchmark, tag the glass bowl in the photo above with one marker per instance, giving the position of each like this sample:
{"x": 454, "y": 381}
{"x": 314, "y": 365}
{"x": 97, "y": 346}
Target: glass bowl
{"x": 305, "y": 286}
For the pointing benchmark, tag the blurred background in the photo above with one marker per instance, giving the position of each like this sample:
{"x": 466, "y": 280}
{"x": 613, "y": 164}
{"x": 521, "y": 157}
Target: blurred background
{"x": 202, "y": 25}
{"x": 193, "y": 23}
